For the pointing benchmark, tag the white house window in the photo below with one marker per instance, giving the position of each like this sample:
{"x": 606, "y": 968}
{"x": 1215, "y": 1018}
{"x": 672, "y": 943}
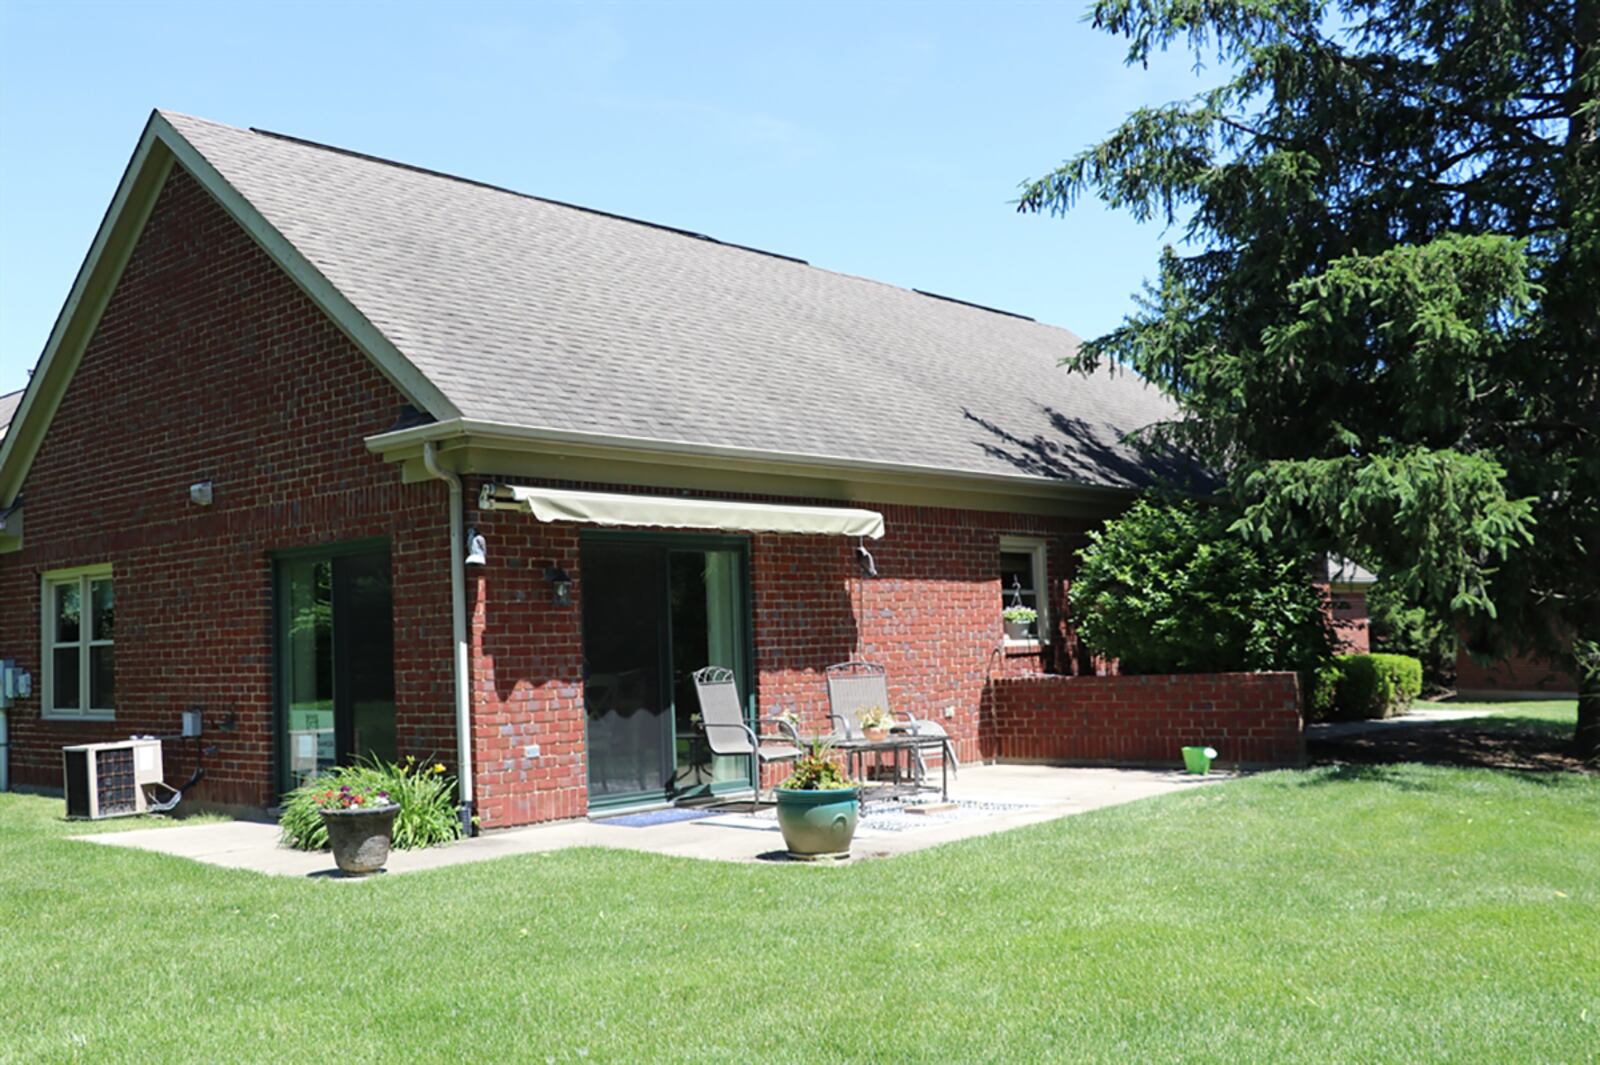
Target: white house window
{"x": 1022, "y": 581}
{"x": 79, "y": 625}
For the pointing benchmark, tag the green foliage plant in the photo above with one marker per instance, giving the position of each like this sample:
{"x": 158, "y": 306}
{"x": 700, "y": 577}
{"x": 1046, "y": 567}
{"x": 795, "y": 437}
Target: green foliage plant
{"x": 425, "y": 794}
{"x": 1170, "y": 588}
{"x": 1375, "y": 686}
{"x": 874, "y": 717}
{"x": 816, "y": 770}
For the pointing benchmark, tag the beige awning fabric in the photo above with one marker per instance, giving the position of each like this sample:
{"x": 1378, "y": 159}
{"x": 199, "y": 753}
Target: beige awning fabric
{"x": 667, "y": 512}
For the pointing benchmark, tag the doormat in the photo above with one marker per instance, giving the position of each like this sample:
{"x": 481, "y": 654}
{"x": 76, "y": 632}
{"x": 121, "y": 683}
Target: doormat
{"x": 655, "y": 817}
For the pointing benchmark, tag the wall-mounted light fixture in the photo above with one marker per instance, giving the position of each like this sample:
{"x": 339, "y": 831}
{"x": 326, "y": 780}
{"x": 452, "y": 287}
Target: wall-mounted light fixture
{"x": 560, "y": 584}
{"x": 477, "y": 550}
{"x": 200, "y": 493}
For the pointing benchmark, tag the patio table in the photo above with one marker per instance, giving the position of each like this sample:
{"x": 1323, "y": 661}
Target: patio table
{"x": 901, "y": 745}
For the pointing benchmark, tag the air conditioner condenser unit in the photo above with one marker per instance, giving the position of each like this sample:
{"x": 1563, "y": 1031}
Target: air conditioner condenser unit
{"x": 108, "y": 779}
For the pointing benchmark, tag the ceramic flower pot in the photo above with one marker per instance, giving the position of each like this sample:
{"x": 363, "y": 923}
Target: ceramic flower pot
{"x": 818, "y": 824}
{"x": 360, "y": 837}
{"x": 876, "y": 735}
{"x": 1016, "y": 630}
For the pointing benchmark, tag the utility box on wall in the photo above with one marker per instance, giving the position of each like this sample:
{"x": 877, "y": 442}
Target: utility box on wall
{"x": 15, "y": 683}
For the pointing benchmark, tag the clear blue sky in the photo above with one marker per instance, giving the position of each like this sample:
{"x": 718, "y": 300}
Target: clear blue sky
{"x": 874, "y": 138}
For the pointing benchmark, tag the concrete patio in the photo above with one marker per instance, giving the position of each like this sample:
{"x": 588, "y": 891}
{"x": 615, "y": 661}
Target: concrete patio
{"x": 992, "y": 799}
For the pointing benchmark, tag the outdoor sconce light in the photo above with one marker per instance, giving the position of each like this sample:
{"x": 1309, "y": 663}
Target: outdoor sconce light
{"x": 200, "y": 493}
{"x": 477, "y": 554}
{"x": 561, "y": 582}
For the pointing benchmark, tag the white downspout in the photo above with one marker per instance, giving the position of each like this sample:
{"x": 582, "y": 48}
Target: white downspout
{"x": 458, "y": 624}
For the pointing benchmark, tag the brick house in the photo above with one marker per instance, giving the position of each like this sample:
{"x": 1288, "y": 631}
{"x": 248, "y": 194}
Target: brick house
{"x": 294, "y": 388}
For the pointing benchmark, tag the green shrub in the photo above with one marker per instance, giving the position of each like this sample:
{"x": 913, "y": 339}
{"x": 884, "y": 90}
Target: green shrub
{"x": 1168, "y": 588}
{"x": 1321, "y": 686}
{"x": 426, "y": 796}
{"x": 1401, "y": 627}
{"x": 1372, "y": 686}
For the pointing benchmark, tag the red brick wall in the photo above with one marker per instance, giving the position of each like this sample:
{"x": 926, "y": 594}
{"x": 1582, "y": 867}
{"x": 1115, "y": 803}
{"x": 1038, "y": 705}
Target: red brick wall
{"x": 1352, "y": 629}
{"x": 1518, "y": 673}
{"x": 931, "y": 617}
{"x": 210, "y": 364}
{"x": 527, "y": 686}
{"x": 1250, "y": 718}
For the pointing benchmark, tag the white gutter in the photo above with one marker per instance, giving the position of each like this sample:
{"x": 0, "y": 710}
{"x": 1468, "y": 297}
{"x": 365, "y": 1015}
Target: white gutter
{"x": 458, "y": 626}
{"x": 457, "y": 428}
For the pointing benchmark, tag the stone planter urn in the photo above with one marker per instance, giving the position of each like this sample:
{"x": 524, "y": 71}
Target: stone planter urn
{"x": 818, "y": 825}
{"x": 360, "y": 836}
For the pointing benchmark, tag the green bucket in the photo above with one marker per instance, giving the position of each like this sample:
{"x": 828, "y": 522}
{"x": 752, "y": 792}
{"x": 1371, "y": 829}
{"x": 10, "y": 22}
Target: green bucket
{"x": 1197, "y": 760}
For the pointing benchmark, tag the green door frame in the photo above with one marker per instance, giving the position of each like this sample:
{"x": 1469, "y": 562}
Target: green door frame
{"x": 744, "y": 670}
{"x": 279, "y": 641}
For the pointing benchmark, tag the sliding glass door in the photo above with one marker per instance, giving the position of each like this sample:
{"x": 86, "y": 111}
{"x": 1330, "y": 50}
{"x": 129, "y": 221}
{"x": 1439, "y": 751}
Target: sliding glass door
{"x": 655, "y": 609}
{"x": 335, "y": 659}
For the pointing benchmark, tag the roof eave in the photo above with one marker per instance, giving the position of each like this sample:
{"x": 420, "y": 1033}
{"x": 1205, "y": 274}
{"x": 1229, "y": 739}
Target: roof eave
{"x": 496, "y": 448}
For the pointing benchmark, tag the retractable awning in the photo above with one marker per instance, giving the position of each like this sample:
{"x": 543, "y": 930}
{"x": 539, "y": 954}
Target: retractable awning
{"x": 668, "y": 512}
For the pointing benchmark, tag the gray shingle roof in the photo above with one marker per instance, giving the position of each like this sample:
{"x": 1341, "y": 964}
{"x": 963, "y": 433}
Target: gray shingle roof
{"x": 538, "y": 314}
{"x": 8, "y": 409}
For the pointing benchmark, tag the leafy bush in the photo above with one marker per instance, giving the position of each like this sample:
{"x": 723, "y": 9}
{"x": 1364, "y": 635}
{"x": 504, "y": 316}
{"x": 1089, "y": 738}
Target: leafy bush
{"x": 1168, "y": 588}
{"x": 816, "y": 771}
{"x": 1401, "y": 627}
{"x": 1322, "y": 690}
{"x": 426, "y": 796}
{"x": 1371, "y": 686}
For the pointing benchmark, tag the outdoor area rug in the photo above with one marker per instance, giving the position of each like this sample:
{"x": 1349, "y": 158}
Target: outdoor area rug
{"x": 885, "y": 816}
{"x": 656, "y": 817}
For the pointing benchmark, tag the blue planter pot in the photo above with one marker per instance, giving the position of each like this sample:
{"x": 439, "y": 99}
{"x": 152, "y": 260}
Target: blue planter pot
{"x": 818, "y": 824}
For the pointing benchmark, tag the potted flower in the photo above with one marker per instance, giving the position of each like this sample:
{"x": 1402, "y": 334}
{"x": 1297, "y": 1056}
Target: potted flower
{"x": 1017, "y": 619}
{"x": 818, "y": 807}
{"x": 360, "y": 825}
{"x": 874, "y": 722}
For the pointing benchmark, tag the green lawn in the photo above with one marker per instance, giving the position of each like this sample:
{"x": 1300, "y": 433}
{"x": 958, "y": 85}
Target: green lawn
{"x": 1556, "y": 717}
{"x": 1358, "y": 914}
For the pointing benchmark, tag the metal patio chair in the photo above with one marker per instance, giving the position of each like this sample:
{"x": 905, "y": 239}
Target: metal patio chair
{"x": 855, "y": 686}
{"x": 727, "y": 731}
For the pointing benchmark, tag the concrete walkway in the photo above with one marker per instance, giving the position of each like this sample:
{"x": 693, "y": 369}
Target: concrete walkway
{"x": 1333, "y": 730}
{"x": 997, "y": 798}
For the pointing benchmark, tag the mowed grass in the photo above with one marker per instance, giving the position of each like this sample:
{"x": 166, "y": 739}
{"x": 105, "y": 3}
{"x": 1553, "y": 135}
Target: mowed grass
{"x": 1394, "y": 913}
{"x": 1554, "y": 717}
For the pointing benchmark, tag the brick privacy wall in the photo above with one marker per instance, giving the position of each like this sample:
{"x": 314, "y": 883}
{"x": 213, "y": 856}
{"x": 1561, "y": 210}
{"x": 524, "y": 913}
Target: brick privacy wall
{"x": 931, "y": 617}
{"x": 1517, "y": 673}
{"x": 1250, "y": 718}
{"x": 210, "y": 364}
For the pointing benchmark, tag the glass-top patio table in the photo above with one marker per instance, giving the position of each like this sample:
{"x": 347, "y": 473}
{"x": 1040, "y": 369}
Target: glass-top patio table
{"x": 902, "y": 747}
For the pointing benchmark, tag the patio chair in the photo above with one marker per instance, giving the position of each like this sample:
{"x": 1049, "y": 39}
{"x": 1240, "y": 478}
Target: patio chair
{"x": 856, "y": 686}
{"x": 727, "y": 731}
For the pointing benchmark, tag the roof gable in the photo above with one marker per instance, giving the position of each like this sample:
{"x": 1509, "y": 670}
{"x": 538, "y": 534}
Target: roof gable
{"x": 161, "y": 147}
